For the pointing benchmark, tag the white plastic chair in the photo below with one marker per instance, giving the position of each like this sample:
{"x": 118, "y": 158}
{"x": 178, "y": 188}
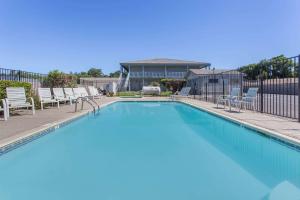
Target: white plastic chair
{"x": 184, "y": 93}
{"x": 60, "y": 95}
{"x": 94, "y": 92}
{"x": 45, "y": 97}
{"x": 83, "y": 92}
{"x": 231, "y": 98}
{"x": 249, "y": 98}
{"x": 16, "y": 98}
{"x": 70, "y": 94}
{"x": 80, "y": 92}
{"x": 4, "y": 109}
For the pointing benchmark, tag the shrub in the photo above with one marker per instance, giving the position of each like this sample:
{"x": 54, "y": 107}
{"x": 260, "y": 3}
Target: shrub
{"x": 154, "y": 83}
{"x": 56, "y": 78}
{"x": 5, "y": 84}
{"x": 172, "y": 84}
{"x": 165, "y": 93}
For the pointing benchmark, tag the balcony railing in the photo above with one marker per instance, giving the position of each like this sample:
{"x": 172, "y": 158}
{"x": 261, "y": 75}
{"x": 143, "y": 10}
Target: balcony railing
{"x": 157, "y": 74}
{"x": 176, "y": 74}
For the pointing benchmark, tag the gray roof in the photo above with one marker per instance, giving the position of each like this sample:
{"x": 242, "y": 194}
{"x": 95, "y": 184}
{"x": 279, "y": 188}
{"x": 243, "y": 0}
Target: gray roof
{"x": 165, "y": 61}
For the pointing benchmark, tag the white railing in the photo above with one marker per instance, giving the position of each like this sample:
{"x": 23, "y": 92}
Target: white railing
{"x": 176, "y": 74}
{"x": 157, "y": 74}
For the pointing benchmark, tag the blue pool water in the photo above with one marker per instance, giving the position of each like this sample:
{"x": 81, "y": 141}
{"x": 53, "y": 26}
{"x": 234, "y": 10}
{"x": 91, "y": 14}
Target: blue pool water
{"x": 151, "y": 151}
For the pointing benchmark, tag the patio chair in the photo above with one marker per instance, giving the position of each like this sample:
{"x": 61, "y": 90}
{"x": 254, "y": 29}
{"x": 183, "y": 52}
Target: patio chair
{"x": 184, "y": 93}
{"x": 249, "y": 98}
{"x": 70, "y": 94}
{"x": 94, "y": 92}
{"x": 60, "y": 95}
{"x": 231, "y": 98}
{"x": 4, "y": 109}
{"x": 80, "y": 92}
{"x": 45, "y": 97}
{"x": 16, "y": 98}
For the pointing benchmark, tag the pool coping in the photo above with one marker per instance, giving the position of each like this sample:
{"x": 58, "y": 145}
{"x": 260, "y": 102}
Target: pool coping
{"x": 30, "y": 135}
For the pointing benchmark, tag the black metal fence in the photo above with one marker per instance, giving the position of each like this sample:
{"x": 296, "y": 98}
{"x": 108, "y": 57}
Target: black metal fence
{"x": 35, "y": 79}
{"x": 277, "y": 82}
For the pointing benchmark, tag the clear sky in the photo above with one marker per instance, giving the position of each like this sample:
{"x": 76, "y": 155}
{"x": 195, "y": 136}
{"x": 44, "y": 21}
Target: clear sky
{"x": 74, "y": 35}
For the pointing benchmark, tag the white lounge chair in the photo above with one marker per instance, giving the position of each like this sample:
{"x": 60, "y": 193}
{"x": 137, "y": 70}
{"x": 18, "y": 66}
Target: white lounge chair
{"x": 83, "y": 92}
{"x": 16, "y": 98}
{"x": 226, "y": 99}
{"x": 94, "y": 92}
{"x": 184, "y": 93}
{"x": 70, "y": 94}
{"x": 4, "y": 109}
{"x": 80, "y": 92}
{"x": 45, "y": 97}
{"x": 60, "y": 95}
{"x": 249, "y": 98}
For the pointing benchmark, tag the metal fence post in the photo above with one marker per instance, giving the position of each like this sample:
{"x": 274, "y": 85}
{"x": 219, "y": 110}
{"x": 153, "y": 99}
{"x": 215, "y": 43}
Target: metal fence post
{"x": 299, "y": 88}
{"x": 261, "y": 84}
{"x": 214, "y": 88}
{"x": 19, "y": 75}
{"x": 194, "y": 89}
{"x": 223, "y": 86}
{"x": 206, "y": 91}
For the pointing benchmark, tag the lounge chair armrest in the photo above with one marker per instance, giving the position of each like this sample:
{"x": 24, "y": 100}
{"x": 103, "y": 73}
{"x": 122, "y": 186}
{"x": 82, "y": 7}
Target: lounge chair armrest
{"x": 31, "y": 100}
{"x": 248, "y": 98}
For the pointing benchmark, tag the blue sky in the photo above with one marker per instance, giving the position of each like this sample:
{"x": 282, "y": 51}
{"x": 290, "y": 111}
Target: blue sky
{"x": 73, "y": 35}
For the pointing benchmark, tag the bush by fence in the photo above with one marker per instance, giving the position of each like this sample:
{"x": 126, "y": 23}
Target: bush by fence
{"x": 5, "y": 84}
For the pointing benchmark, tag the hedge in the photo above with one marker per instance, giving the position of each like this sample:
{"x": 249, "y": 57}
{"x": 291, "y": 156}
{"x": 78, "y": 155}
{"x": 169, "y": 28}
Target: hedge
{"x": 5, "y": 84}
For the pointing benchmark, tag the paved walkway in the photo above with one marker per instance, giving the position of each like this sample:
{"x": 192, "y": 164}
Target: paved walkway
{"x": 20, "y": 125}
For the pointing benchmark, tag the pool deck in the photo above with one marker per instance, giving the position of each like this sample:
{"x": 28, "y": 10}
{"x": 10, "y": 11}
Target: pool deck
{"x": 24, "y": 124}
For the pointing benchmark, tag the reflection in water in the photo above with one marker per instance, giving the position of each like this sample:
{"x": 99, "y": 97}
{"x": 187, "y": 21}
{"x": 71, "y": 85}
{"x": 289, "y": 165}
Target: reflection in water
{"x": 268, "y": 160}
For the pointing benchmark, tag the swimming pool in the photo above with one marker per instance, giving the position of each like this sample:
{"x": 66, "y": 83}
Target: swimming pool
{"x": 151, "y": 150}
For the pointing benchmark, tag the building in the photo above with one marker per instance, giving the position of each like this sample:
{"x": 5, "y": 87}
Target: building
{"x": 217, "y": 81}
{"x": 137, "y": 74}
{"x": 103, "y": 83}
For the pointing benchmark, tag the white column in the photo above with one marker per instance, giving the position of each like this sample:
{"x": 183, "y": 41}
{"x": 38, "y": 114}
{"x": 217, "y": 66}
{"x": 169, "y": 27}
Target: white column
{"x": 143, "y": 75}
{"x": 129, "y": 78}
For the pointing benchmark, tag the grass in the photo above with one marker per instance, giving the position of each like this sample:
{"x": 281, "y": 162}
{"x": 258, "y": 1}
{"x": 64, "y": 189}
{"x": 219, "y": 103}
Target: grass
{"x": 129, "y": 94}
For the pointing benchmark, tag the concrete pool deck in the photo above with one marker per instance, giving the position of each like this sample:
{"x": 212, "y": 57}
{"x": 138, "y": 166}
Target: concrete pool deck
{"x": 22, "y": 125}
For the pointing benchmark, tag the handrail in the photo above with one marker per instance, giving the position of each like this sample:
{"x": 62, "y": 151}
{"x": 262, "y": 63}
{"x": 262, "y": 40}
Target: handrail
{"x": 91, "y": 99}
{"x": 84, "y": 99}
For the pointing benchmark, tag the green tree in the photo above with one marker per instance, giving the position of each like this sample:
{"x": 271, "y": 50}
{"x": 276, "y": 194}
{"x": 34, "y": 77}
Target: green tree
{"x": 94, "y": 72}
{"x": 57, "y": 78}
{"x": 115, "y": 74}
{"x": 276, "y": 67}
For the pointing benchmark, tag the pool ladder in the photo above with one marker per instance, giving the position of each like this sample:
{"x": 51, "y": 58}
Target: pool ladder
{"x": 88, "y": 100}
